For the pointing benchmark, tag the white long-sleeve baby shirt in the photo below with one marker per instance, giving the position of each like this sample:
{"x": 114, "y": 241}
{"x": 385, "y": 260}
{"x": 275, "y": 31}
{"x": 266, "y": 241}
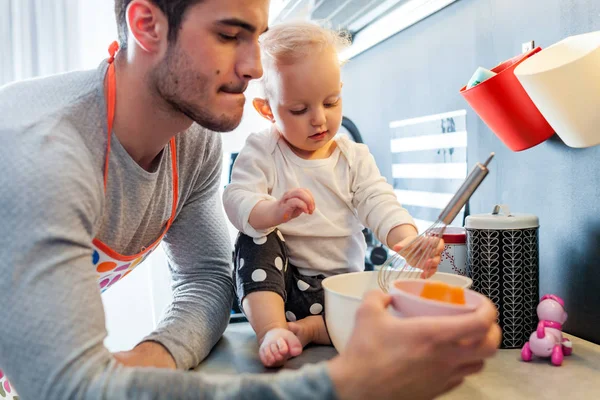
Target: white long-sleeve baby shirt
{"x": 349, "y": 194}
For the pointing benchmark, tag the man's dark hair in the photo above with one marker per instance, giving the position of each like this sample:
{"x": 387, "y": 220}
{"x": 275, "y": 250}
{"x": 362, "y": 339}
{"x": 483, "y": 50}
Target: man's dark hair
{"x": 174, "y": 10}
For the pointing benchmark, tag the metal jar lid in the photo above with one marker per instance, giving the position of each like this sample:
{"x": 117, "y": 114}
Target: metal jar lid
{"x": 502, "y": 218}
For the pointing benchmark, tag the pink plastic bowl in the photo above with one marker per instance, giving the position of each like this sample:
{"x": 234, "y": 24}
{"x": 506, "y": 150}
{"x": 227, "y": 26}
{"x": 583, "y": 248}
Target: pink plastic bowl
{"x": 407, "y": 302}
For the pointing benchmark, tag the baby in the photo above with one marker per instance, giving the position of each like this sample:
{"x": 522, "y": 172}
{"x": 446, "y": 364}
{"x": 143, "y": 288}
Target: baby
{"x": 300, "y": 195}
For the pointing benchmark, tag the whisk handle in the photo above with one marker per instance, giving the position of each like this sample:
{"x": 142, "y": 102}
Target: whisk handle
{"x": 465, "y": 192}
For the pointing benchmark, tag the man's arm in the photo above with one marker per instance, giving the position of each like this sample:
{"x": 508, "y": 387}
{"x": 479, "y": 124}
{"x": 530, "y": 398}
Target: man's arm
{"x": 199, "y": 252}
{"x": 52, "y": 321}
{"x": 147, "y": 354}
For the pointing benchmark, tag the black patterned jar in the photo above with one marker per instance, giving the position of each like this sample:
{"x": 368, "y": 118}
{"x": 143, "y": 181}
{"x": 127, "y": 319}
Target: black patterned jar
{"x": 503, "y": 261}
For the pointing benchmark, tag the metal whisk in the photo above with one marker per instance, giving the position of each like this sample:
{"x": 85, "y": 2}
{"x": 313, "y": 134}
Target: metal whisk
{"x": 410, "y": 261}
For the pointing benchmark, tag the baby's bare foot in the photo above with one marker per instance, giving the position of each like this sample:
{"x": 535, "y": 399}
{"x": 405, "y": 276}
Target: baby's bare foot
{"x": 279, "y": 345}
{"x": 310, "y": 330}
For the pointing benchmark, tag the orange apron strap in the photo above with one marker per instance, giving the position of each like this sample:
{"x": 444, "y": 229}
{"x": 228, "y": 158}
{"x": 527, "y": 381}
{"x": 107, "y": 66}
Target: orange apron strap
{"x": 111, "y": 100}
{"x": 175, "y": 182}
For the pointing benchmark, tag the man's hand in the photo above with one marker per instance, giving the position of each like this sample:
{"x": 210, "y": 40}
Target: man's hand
{"x": 146, "y": 354}
{"x": 413, "y": 358}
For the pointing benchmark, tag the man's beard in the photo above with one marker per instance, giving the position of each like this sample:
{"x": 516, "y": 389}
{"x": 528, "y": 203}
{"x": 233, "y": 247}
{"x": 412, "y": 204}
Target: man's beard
{"x": 187, "y": 91}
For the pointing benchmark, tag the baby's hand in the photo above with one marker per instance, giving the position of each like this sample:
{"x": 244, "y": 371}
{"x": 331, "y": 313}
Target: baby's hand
{"x": 421, "y": 252}
{"x": 293, "y": 203}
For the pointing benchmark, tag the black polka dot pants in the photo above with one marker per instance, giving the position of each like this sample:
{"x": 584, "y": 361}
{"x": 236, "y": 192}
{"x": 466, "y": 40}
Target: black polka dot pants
{"x": 261, "y": 265}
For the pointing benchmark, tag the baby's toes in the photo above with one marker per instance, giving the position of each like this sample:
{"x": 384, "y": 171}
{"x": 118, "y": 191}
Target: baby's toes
{"x": 279, "y": 356}
{"x": 266, "y": 356}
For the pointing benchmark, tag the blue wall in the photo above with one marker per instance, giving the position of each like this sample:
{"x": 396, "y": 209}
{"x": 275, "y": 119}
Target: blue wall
{"x": 419, "y": 72}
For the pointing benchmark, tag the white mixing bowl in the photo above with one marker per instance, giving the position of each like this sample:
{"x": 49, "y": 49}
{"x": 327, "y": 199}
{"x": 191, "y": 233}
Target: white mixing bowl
{"x": 344, "y": 293}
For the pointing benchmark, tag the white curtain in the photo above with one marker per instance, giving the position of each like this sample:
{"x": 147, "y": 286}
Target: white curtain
{"x": 38, "y": 38}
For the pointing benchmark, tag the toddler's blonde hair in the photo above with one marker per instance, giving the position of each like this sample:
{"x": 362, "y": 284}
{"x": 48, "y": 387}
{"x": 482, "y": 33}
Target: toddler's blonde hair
{"x": 289, "y": 42}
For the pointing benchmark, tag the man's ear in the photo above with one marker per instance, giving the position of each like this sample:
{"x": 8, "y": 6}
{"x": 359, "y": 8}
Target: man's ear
{"x": 263, "y": 108}
{"x": 147, "y": 25}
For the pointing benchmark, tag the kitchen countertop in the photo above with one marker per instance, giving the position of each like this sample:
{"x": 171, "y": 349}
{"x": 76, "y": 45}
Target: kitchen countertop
{"x": 504, "y": 377}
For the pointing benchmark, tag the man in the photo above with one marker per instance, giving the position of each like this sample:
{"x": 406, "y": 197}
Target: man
{"x": 103, "y": 165}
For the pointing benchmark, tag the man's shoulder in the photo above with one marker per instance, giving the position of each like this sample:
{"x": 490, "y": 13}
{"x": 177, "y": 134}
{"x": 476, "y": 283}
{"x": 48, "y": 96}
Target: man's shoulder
{"x": 51, "y": 120}
{"x": 41, "y": 137}
{"x": 50, "y": 161}
{"x": 52, "y": 143}
{"x": 30, "y": 102}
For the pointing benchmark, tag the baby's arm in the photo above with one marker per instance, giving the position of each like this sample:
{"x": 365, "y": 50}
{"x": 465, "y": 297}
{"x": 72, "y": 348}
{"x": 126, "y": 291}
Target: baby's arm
{"x": 252, "y": 179}
{"x": 375, "y": 201}
{"x": 268, "y": 214}
{"x": 247, "y": 199}
{"x": 400, "y": 233}
{"x": 380, "y": 210}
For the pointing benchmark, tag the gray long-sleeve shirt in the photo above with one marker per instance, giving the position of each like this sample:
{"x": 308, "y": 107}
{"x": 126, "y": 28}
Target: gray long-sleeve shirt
{"x": 52, "y": 204}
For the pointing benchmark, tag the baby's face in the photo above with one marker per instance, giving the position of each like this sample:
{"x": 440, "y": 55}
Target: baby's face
{"x": 307, "y": 103}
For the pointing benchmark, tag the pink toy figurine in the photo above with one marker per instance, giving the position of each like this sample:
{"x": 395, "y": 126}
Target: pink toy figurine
{"x": 547, "y": 340}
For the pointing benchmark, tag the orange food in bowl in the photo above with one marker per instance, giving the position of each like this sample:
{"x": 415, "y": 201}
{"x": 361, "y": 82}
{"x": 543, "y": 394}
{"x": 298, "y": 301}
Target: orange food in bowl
{"x": 441, "y": 291}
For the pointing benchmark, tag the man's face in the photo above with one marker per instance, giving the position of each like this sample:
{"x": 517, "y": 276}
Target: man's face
{"x": 206, "y": 70}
